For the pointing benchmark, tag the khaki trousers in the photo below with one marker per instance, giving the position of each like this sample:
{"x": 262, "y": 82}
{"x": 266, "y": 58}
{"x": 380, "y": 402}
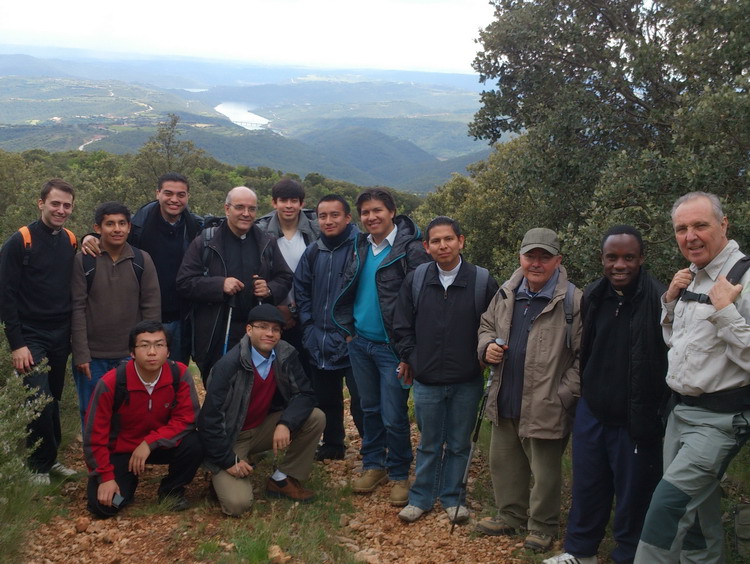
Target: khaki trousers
{"x": 236, "y": 494}
{"x": 513, "y": 461}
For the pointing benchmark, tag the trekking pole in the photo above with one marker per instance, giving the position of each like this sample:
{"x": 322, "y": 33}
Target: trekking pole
{"x": 232, "y": 302}
{"x": 475, "y": 438}
{"x": 255, "y": 278}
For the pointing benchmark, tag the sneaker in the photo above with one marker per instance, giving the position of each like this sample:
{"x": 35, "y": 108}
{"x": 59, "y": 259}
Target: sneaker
{"x": 460, "y": 517}
{"x": 176, "y": 502}
{"x": 538, "y": 541}
{"x": 40, "y": 479}
{"x": 567, "y": 558}
{"x": 289, "y": 488}
{"x": 410, "y": 513}
{"x": 495, "y": 526}
{"x": 62, "y": 471}
{"x": 400, "y": 493}
{"x": 369, "y": 480}
{"x": 330, "y": 452}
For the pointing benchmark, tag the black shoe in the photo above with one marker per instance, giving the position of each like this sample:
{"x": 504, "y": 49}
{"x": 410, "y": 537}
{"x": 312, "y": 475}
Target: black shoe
{"x": 330, "y": 452}
{"x": 176, "y": 502}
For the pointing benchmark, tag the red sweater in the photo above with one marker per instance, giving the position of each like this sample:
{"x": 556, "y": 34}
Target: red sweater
{"x": 143, "y": 417}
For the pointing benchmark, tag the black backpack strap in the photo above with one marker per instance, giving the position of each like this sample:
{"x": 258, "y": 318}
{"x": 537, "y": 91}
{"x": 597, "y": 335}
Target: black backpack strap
{"x": 738, "y": 270}
{"x": 89, "y": 270}
{"x": 206, "y": 235}
{"x": 175, "y": 381}
{"x": 417, "y": 283}
{"x": 138, "y": 264}
{"x": 568, "y": 309}
{"x": 480, "y": 290}
{"x": 121, "y": 387}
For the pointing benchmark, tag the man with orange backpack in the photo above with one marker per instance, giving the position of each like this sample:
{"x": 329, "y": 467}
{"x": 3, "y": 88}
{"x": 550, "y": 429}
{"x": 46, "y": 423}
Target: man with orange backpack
{"x": 35, "y": 269}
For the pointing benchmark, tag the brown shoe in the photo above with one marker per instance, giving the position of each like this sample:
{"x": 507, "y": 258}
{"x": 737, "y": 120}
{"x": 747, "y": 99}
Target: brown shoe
{"x": 289, "y": 488}
{"x": 369, "y": 480}
{"x": 538, "y": 541}
{"x": 400, "y": 493}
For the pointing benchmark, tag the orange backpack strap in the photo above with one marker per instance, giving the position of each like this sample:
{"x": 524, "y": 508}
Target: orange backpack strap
{"x": 26, "y": 235}
{"x": 72, "y": 237}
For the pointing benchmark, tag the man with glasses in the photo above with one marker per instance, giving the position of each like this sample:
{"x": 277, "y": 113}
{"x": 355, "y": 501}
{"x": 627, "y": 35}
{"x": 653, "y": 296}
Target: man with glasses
{"x": 260, "y": 399}
{"x": 530, "y": 404}
{"x": 142, "y": 412}
{"x": 226, "y": 274}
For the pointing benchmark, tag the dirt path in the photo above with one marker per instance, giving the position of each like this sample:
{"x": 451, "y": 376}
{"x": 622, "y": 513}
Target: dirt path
{"x": 373, "y": 532}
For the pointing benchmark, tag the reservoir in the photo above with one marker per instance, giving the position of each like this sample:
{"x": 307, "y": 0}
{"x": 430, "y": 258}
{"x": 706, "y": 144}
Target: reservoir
{"x": 240, "y": 114}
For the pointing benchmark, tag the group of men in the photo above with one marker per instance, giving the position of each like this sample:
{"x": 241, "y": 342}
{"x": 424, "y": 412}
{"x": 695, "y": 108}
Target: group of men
{"x": 382, "y": 311}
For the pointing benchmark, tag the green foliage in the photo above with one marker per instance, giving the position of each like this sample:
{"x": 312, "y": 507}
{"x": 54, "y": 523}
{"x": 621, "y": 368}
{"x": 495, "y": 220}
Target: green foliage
{"x": 622, "y": 107}
{"x": 18, "y": 407}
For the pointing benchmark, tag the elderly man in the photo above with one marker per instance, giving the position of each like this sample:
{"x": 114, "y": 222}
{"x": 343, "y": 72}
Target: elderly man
{"x": 705, "y": 313}
{"x": 226, "y": 271}
{"x": 537, "y": 313}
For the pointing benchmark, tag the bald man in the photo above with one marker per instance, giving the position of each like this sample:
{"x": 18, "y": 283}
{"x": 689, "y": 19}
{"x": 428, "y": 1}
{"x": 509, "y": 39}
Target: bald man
{"x": 227, "y": 271}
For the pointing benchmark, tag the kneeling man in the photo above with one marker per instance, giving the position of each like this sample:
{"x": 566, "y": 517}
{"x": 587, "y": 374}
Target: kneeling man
{"x": 259, "y": 398}
{"x": 142, "y": 412}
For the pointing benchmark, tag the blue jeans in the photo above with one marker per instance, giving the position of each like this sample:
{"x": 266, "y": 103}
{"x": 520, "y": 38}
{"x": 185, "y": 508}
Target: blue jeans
{"x": 177, "y": 349}
{"x": 446, "y": 415}
{"x": 386, "y": 443}
{"x": 98, "y": 367}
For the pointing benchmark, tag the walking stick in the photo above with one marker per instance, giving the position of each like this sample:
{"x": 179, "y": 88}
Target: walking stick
{"x": 232, "y": 301}
{"x": 475, "y": 438}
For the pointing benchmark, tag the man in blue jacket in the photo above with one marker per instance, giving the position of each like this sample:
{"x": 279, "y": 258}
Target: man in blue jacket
{"x": 317, "y": 282}
{"x": 364, "y": 312}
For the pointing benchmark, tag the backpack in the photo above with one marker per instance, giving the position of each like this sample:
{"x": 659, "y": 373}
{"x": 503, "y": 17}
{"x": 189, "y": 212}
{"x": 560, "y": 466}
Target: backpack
{"x": 26, "y": 236}
{"x": 121, "y": 385}
{"x": 480, "y": 287}
{"x": 209, "y": 230}
{"x": 89, "y": 267}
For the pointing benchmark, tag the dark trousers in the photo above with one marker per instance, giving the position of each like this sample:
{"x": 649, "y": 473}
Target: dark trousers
{"x": 54, "y": 345}
{"x": 329, "y": 390}
{"x": 607, "y": 463}
{"x": 183, "y": 460}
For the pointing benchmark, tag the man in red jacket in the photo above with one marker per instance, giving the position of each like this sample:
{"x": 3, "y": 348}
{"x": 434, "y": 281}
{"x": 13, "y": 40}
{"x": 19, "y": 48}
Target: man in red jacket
{"x": 142, "y": 412}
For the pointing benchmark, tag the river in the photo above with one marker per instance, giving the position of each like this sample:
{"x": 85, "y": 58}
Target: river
{"x": 240, "y": 114}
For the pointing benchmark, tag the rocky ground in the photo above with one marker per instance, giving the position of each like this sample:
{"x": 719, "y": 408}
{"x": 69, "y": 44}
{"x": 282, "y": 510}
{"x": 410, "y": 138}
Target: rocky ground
{"x": 144, "y": 533}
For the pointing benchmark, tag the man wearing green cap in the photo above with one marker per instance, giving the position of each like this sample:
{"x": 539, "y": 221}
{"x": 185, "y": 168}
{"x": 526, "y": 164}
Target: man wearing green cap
{"x": 259, "y": 399}
{"x": 537, "y": 315}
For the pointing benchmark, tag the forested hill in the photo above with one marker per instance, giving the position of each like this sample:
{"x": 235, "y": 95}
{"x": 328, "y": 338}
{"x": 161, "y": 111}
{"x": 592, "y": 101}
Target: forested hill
{"x": 405, "y": 130}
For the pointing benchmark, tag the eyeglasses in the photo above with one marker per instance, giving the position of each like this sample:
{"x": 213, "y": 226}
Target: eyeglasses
{"x": 275, "y": 329}
{"x": 242, "y": 209}
{"x": 149, "y": 346}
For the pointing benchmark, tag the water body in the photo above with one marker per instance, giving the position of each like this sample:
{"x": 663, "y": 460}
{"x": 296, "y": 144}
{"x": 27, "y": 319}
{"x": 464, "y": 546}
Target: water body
{"x": 240, "y": 114}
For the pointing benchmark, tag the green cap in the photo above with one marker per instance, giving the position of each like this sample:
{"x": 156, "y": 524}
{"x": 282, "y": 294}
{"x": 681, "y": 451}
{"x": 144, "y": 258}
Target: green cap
{"x": 540, "y": 238}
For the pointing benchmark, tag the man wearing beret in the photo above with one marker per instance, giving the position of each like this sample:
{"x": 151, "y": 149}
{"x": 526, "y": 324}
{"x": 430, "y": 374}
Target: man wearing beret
{"x": 259, "y": 398}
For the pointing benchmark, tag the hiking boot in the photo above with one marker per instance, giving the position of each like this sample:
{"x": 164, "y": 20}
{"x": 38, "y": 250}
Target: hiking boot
{"x": 538, "y": 541}
{"x": 400, "y": 493}
{"x": 410, "y": 513}
{"x": 62, "y": 471}
{"x": 330, "y": 452}
{"x": 369, "y": 480}
{"x": 176, "y": 502}
{"x": 495, "y": 526}
{"x": 460, "y": 517}
{"x": 40, "y": 479}
{"x": 289, "y": 488}
{"x": 567, "y": 558}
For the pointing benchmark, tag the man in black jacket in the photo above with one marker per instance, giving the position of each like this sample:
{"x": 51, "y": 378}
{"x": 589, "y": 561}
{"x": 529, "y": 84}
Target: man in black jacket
{"x": 230, "y": 272}
{"x": 258, "y": 399}
{"x": 35, "y": 270}
{"x": 436, "y": 338}
{"x": 618, "y": 428}
{"x": 164, "y": 228}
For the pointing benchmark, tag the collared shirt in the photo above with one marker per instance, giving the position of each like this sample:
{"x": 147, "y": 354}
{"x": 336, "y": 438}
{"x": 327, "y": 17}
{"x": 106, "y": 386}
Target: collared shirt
{"x": 709, "y": 349}
{"x": 448, "y": 276}
{"x": 261, "y": 363}
{"x": 378, "y": 248}
{"x": 148, "y": 385}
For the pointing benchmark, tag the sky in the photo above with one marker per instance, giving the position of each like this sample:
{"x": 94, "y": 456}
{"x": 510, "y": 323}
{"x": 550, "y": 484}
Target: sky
{"x": 425, "y": 35}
